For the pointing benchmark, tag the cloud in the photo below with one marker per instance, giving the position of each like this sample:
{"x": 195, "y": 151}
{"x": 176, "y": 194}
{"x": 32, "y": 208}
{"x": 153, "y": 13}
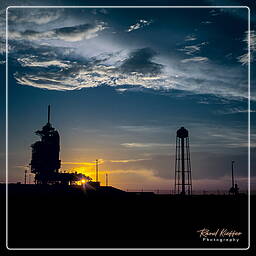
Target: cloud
{"x": 193, "y": 49}
{"x": 190, "y": 38}
{"x": 138, "y": 70}
{"x": 89, "y": 73}
{"x": 236, "y": 110}
{"x": 99, "y": 11}
{"x": 64, "y": 69}
{"x": 141, "y": 129}
{"x": 128, "y": 160}
{"x": 93, "y": 72}
{"x": 244, "y": 58}
{"x": 69, "y": 34}
{"x": 141, "y": 61}
{"x": 140, "y": 24}
{"x": 144, "y": 145}
{"x": 76, "y": 75}
{"x": 205, "y": 165}
{"x": 2, "y": 48}
{"x": 29, "y": 62}
{"x": 206, "y": 22}
{"x": 93, "y": 163}
{"x": 215, "y": 12}
{"x": 38, "y": 16}
{"x": 78, "y": 33}
{"x": 195, "y": 59}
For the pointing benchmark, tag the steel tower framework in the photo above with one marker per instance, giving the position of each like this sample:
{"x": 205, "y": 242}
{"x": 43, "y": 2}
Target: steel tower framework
{"x": 183, "y": 179}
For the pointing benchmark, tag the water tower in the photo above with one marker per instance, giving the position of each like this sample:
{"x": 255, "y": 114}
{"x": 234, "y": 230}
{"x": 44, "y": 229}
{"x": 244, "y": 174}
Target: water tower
{"x": 183, "y": 180}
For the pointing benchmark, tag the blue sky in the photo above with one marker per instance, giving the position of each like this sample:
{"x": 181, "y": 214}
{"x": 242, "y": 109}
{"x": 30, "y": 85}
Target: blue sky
{"x": 122, "y": 81}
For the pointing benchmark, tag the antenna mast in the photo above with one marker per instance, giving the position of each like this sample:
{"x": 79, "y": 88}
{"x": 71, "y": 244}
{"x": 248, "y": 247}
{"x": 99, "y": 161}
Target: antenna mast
{"x": 49, "y": 113}
{"x": 233, "y": 182}
{"x": 97, "y": 171}
{"x": 106, "y": 180}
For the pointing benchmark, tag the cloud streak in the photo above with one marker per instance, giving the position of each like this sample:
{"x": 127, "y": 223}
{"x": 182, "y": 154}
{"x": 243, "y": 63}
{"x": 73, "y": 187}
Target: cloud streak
{"x": 36, "y": 16}
{"x": 29, "y": 62}
{"x": 195, "y": 59}
{"x": 68, "y": 34}
{"x": 236, "y": 110}
{"x": 190, "y": 38}
{"x": 136, "y": 71}
{"x": 244, "y": 58}
{"x": 140, "y": 24}
{"x": 192, "y": 49}
{"x": 128, "y": 160}
{"x": 125, "y": 69}
{"x": 144, "y": 145}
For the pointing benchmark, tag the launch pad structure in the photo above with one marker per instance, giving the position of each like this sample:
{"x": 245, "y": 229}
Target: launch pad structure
{"x": 45, "y": 163}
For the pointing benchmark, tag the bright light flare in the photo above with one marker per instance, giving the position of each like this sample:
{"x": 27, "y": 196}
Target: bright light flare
{"x": 83, "y": 181}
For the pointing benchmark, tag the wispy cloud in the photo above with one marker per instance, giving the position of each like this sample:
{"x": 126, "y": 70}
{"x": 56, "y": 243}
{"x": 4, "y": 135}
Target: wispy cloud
{"x": 193, "y": 49}
{"x": 144, "y": 145}
{"x": 141, "y": 128}
{"x": 244, "y": 58}
{"x": 29, "y": 62}
{"x": 190, "y": 49}
{"x": 195, "y": 59}
{"x": 236, "y": 110}
{"x": 37, "y": 16}
{"x": 93, "y": 163}
{"x": 190, "y": 38}
{"x": 138, "y": 69}
{"x": 69, "y": 34}
{"x": 206, "y": 22}
{"x": 215, "y": 12}
{"x": 99, "y": 11}
{"x": 129, "y": 160}
{"x": 74, "y": 73}
{"x": 140, "y": 24}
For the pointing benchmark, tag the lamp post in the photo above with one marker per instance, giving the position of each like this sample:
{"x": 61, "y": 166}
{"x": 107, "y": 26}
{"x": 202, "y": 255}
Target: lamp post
{"x": 25, "y": 177}
{"x": 233, "y": 182}
{"x": 106, "y": 180}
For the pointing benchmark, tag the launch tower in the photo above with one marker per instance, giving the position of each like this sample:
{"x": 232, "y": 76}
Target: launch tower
{"x": 45, "y": 163}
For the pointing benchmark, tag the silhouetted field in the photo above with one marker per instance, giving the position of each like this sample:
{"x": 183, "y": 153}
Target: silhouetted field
{"x": 58, "y": 217}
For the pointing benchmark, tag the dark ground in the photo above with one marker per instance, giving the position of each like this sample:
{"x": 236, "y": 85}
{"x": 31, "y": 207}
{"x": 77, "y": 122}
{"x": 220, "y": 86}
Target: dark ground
{"x": 60, "y": 218}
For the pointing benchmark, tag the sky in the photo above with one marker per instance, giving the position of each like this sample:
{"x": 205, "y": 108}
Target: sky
{"x": 121, "y": 81}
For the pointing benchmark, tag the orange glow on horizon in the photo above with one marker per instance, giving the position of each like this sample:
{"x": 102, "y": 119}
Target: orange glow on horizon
{"x": 119, "y": 178}
{"x": 93, "y": 163}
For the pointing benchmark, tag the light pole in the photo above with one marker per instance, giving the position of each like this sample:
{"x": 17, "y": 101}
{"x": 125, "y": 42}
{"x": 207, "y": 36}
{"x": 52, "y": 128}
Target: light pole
{"x": 233, "y": 182}
{"x": 106, "y": 180}
{"x": 97, "y": 171}
{"x": 25, "y": 178}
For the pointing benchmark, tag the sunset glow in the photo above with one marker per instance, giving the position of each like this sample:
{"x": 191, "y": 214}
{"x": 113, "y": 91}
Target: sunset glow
{"x": 120, "y": 89}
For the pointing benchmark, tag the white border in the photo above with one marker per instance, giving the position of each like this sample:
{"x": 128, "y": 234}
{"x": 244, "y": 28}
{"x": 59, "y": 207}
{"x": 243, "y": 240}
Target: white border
{"x": 249, "y": 130}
